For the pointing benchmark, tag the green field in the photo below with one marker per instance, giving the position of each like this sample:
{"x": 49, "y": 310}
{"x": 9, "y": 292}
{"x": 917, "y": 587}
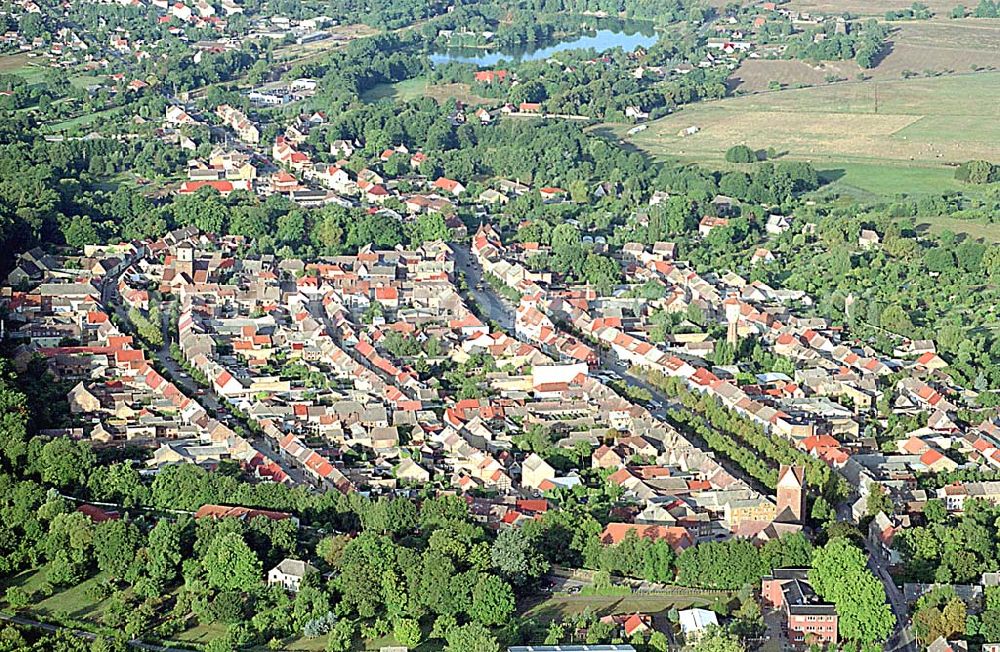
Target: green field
{"x": 922, "y": 128}
{"x": 73, "y": 602}
{"x": 84, "y": 120}
{"x": 31, "y": 69}
{"x": 82, "y": 81}
{"x": 868, "y": 182}
{"x": 562, "y": 607}
{"x": 970, "y": 228}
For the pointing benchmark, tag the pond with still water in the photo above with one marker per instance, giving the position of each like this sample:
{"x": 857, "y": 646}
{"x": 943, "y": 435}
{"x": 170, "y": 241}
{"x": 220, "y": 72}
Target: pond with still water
{"x": 629, "y": 37}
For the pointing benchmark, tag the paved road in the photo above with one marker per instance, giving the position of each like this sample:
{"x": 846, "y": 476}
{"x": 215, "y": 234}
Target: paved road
{"x": 210, "y": 400}
{"x": 497, "y": 309}
{"x": 206, "y": 397}
{"x": 491, "y": 304}
{"x": 668, "y": 404}
{"x": 902, "y": 639}
{"x": 79, "y": 633}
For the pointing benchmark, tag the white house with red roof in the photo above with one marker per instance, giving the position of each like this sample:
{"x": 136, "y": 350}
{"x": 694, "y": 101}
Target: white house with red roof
{"x": 449, "y": 185}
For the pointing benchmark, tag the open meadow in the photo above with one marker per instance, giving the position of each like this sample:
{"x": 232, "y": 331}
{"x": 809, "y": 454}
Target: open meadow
{"x": 916, "y": 48}
{"x": 868, "y": 7}
{"x": 970, "y": 228}
{"x": 923, "y": 127}
{"x": 31, "y": 69}
{"x": 562, "y": 607}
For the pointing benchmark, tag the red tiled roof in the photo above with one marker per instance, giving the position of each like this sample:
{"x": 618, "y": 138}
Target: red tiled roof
{"x": 243, "y": 513}
{"x": 678, "y": 537}
{"x": 96, "y": 514}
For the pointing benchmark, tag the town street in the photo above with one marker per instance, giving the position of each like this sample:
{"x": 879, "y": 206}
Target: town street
{"x": 183, "y": 380}
{"x": 903, "y": 639}
{"x": 492, "y": 305}
{"x": 497, "y": 308}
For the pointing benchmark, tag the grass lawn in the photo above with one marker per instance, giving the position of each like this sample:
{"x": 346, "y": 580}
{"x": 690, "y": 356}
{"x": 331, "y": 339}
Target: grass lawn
{"x": 73, "y": 601}
{"x": 868, "y": 7}
{"x": 867, "y": 181}
{"x": 84, "y": 120}
{"x": 200, "y": 634}
{"x": 564, "y": 606}
{"x": 83, "y": 81}
{"x": 417, "y": 87}
{"x": 31, "y": 69}
{"x": 923, "y": 126}
{"x": 973, "y": 229}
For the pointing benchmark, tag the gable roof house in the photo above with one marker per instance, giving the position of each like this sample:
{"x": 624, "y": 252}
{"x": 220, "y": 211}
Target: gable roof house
{"x": 449, "y": 185}
{"x": 535, "y": 471}
{"x": 694, "y": 623}
{"x": 289, "y": 574}
{"x": 409, "y": 470}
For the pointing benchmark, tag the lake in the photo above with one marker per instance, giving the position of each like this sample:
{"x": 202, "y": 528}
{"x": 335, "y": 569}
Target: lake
{"x": 634, "y": 35}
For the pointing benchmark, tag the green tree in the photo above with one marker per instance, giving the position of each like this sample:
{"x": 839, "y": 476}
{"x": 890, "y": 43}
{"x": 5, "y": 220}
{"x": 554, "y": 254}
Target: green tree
{"x": 878, "y": 501}
{"x": 330, "y": 548}
{"x": 840, "y": 575}
{"x": 431, "y": 227}
{"x": 407, "y": 632}
{"x": 740, "y": 154}
{"x": 115, "y": 546}
{"x": 340, "y": 637}
{"x": 366, "y": 564}
{"x": 291, "y": 228}
{"x": 935, "y": 511}
{"x": 716, "y": 639}
{"x": 65, "y": 463}
{"x": 895, "y": 319}
{"x": 80, "y": 231}
{"x": 492, "y": 600}
{"x": 939, "y": 259}
{"x": 555, "y": 634}
{"x": 977, "y": 172}
{"x": 17, "y": 598}
{"x": 473, "y": 637}
{"x": 563, "y": 236}
{"x": 230, "y": 564}
{"x": 516, "y": 556}
{"x": 13, "y": 421}
{"x": 601, "y": 272}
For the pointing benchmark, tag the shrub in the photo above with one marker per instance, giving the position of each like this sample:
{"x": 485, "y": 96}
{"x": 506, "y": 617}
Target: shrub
{"x": 740, "y": 154}
{"x": 319, "y": 626}
{"x": 17, "y": 597}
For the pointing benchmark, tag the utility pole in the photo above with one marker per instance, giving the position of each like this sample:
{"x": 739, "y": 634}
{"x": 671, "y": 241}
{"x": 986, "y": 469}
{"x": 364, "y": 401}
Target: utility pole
{"x": 876, "y": 98}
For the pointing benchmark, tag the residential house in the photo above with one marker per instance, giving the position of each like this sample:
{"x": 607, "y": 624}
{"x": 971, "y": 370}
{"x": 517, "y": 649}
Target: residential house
{"x": 694, "y": 623}
{"x": 449, "y": 185}
{"x": 410, "y": 471}
{"x": 289, "y": 574}
{"x": 868, "y": 239}
{"x": 807, "y": 619}
{"x": 535, "y": 471}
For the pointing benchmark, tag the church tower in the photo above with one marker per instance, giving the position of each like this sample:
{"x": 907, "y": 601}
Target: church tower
{"x": 185, "y": 259}
{"x": 791, "y": 494}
